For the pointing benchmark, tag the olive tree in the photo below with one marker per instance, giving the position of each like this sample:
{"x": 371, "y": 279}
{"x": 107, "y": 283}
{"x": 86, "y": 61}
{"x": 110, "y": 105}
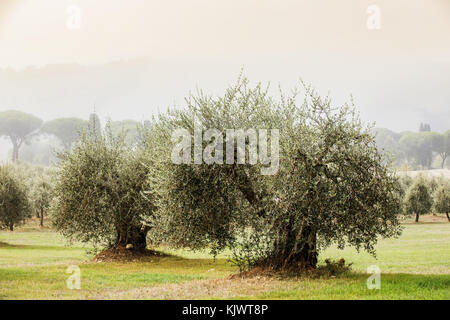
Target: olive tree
{"x": 418, "y": 198}
{"x": 14, "y": 204}
{"x": 41, "y": 195}
{"x": 332, "y": 184}
{"x": 39, "y": 181}
{"x": 99, "y": 192}
{"x": 441, "y": 199}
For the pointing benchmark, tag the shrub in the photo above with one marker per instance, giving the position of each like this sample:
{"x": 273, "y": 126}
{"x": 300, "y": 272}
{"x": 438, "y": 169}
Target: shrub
{"x": 14, "y": 204}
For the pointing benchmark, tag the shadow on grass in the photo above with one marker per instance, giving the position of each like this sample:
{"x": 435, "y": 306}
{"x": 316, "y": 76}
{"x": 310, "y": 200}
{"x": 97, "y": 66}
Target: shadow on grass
{"x": 122, "y": 254}
{"x": 11, "y": 246}
{"x": 5, "y": 245}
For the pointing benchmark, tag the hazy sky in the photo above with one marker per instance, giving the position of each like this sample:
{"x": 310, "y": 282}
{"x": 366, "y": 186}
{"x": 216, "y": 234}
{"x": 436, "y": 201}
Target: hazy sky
{"x": 399, "y": 75}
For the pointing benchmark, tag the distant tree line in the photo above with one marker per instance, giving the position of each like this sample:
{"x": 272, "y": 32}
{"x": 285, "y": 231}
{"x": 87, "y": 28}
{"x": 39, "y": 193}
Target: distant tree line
{"x": 423, "y": 149}
{"x": 26, "y": 130}
{"x": 418, "y": 150}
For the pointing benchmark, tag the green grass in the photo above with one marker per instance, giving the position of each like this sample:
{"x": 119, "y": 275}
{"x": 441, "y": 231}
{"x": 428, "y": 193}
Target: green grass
{"x": 423, "y": 248}
{"x": 353, "y": 286}
{"x": 33, "y": 265}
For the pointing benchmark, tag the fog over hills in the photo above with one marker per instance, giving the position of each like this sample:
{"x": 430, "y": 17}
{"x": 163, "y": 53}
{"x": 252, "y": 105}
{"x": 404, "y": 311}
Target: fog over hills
{"x": 132, "y": 59}
{"x": 396, "y": 93}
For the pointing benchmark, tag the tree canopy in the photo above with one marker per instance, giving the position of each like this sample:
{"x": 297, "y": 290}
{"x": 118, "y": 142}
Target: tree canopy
{"x": 418, "y": 198}
{"x": 441, "y": 199}
{"x": 67, "y": 130}
{"x": 332, "y": 185}
{"x": 418, "y": 147}
{"x": 18, "y": 126}
{"x": 441, "y": 145}
{"x": 99, "y": 189}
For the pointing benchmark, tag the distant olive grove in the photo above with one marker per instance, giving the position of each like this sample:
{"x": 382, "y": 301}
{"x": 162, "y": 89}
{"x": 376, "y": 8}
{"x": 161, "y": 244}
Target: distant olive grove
{"x": 25, "y": 191}
{"x": 423, "y": 195}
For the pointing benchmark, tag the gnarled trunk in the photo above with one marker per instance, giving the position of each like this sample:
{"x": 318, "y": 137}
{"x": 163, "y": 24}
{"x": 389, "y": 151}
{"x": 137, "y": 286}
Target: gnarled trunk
{"x": 417, "y": 217}
{"x": 296, "y": 250}
{"x": 136, "y": 236}
{"x": 140, "y": 241}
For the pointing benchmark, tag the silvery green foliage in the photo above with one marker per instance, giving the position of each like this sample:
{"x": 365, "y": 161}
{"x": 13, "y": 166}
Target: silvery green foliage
{"x": 39, "y": 181}
{"x": 14, "y": 204}
{"x": 441, "y": 199}
{"x": 41, "y": 191}
{"x": 332, "y": 185}
{"x": 418, "y": 199}
{"x": 99, "y": 192}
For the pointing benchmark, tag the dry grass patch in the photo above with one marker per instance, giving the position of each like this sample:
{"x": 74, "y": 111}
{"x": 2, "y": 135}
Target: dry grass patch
{"x": 205, "y": 289}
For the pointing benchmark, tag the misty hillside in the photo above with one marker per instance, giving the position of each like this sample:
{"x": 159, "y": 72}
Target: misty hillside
{"x": 139, "y": 88}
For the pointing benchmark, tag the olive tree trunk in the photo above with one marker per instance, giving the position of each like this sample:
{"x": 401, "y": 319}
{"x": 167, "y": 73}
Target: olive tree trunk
{"x": 42, "y": 218}
{"x": 298, "y": 250}
{"x": 136, "y": 236}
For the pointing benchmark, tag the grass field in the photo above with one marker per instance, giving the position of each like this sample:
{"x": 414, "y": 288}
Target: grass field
{"x": 33, "y": 265}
